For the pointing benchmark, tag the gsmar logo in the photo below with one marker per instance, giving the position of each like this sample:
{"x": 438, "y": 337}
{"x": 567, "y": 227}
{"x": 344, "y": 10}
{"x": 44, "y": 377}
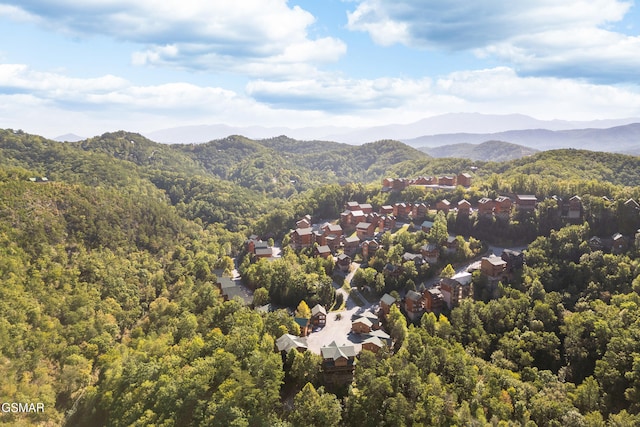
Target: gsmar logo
{"x": 21, "y": 408}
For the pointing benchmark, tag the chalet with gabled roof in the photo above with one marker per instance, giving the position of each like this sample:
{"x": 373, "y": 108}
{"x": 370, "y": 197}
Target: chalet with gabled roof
{"x": 432, "y": 300}
{"x": 386, "y": 302}
{"x": 502, "y": 207}
{"x": 443, "y": 205}
{"x": 288, "y": 342}
{"x": 323, "y": 251}
{"x": 464, "y": 207}
{"x": 369, "y": 248}
{"x": 365, "y": 230}
{"x": 493, "y": 266}
{"x": 430, "y": 252}
{"x": 485, "y": 207}
{"x": 464, "y": 179}
{"x": 343, "y": 262}
{"x": 413, "y": 305}
{"x": 526, "y": 202}
{"x": 318, "y": 315}
{"x": 453, "y": 291}
{"x": 302, "y": 238}
{"x": 338, "y": 363}
{"x": 351, "y": 245}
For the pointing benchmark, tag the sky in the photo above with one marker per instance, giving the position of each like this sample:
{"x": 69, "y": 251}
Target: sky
{"x": 92, "y": 66}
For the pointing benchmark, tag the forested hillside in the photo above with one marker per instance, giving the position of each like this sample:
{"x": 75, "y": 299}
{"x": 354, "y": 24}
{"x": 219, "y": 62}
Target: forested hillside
{"x": 110, "y": 314}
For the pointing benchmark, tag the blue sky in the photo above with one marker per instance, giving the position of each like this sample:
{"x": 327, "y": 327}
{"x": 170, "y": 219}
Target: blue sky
{"x": 90, "y": 66}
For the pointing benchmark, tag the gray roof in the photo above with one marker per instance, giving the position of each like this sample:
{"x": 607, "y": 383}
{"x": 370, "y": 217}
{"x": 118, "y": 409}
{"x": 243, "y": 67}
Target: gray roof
{"x": 413, "y": 295}
{"x": 375, "y": 341}
{"x": 363, "y": 320}
{"x": 264, "y": 251}
{"x": 318, "y": 309}
{"x": 287, "y": 342}
{"x": 388, "y": 299}
{"x": 226, "y": 282}
{"x": 380, "y": 334}
{"x": 334, "y": 352}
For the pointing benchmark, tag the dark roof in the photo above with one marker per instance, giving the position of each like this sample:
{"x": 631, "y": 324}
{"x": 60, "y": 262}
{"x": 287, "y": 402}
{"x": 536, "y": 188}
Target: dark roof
{"x": 226, "y": 282}
{"x": 324, "y": 249}
{"x": 304, "y": 231}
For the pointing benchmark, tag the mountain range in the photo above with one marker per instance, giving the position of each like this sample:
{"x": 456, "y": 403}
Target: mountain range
{"x": 452, "y": 123}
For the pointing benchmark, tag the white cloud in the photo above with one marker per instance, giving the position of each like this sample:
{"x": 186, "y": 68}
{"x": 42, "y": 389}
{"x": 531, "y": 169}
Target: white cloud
{"x": 53, "y": 103}
{"x": 569, "y": 38}
{"x": 191, "y": 33}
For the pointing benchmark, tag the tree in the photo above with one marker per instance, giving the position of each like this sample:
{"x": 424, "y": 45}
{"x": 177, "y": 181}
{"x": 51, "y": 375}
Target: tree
{"x": 315, "y": 408}
{"x": 397, "y": 325}
{"x": 260, "y": 297}
{"x": 448, "y": 271}
{"x": 303, "y": 310}
{"x": 439, "y": 231}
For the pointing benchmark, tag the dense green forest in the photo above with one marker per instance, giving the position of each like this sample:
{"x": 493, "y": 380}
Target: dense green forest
{"x": 109, "y": 313}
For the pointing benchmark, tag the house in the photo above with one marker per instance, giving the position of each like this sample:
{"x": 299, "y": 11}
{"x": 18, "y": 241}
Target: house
{"x": 343, "y": 262}
{"x": 493, "y": 266}
{"x": 332, "y": 241}
{"x": 338, "y": 363}
{"x": 485, "y": 207}
{"x": 305, "y": 325}
{"x": 596, "y": 243}
{"x": 413, "y": 305}
{"x": 353, "y": 206}
{"x": 386, "y": 210}
{"x": 288, "y": 342}
{"x": 366, "y": 208}
{"x": 365, "y": 230}
{"x": 401, "y": 210}
{"x": 361, "y": 325}
{"x": 443, "y": 205}
{"x": 464, "y": 179}
{"x": 432, "y": 299}
{"x": 304, "y": 223}
{"x": 416, "y": 258}
{"x": 526, "y": 202}
{"x": 323, "y": 251}
{"x": 266, "y": 252}
{"x": 451, "y": 244}
{"x": 430, "y": 252}
{"x": 332, "y": 229}
{"x": 575, "y": 209}
{"x": 369, "y": 248}
{"x": 386, "y": 302}
{"x": 318, "y": 315}
{"x": 619, "y": 243}
{"x": 453, "y": 291}
{"x": 514, "y": 259}
{"x": 419, "y": 210}
{"x": 231, "y": 293}
{"x": 502, "y": 207}
{"x": 351, "y": 245}
{"x": 302, "y": 238}
{"x": 449, "y": 181}
{"x": 373, "y": 344}
{"x": 464, "y": 207}
{"x": 426, "y": 226}
{"x": 386, "y": 222}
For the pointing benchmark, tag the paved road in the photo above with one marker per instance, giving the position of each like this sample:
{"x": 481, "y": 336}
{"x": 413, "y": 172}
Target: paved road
{"x": 339, "y": 329}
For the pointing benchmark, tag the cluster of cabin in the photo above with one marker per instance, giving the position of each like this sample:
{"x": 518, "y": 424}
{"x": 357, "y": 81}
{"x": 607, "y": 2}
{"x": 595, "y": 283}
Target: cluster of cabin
{"x": 437, "y": 182}
{"x": 448, "y": 292}
{"x": 258, "y": 248}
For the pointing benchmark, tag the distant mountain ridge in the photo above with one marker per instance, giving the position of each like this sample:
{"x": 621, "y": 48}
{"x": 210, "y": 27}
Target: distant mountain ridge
{"x": 614, "y": 139}
{"x": 452, "y": 123}
{"x": 496, "y": 151}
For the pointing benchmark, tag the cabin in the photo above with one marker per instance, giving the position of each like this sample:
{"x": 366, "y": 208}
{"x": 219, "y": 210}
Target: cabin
{"x": 453, "y": 291}
{"x": 443, "y": 205}
{"x": 514, "y": 260}
{"x": 502, "y": 207}
{"x": 373, "y": 344}
{"x": 351, "y": 245}
{"x": 413, "y": 305}
{"x": 464, "y": 179}
{"x": 318, "y": 315}
{"x": 338, "y": 363}
{"x": 386, "y": 302}
{"x": 432, "y": 300}
{"x": 426, "y": 226}
{"x": 361, "y": 325}
{"x": 369, "y": 248}
{"x": 493, "y": 266}
{"x": 288, "y": 342}
{"x": 464, "y": 207}
{"x": 302, "y": 238}
{"x": 448, "y": 181}
{"x": 304, "y": 324}
{"x": 343, "y": 261}
{"x": 575, "y": 209}
{"x": 323, "y": 251}
{"x": 365, "y": 230}
{"x": 526, "y": 202}
{"x": 430, "y": 252}
{"x": 485, "y": 207}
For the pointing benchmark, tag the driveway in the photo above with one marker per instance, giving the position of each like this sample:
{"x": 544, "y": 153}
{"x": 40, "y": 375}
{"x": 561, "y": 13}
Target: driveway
{"x": 339, "y": 330}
